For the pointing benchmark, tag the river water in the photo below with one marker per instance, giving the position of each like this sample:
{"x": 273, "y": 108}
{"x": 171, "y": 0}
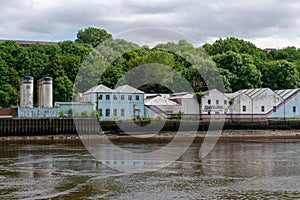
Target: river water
{"x": 256, "y": 169}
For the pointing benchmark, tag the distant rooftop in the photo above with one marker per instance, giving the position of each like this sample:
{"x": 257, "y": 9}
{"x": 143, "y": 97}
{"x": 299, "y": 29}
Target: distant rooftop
{"x": 100, "y": 88}
{"x": 26, "y": 43}
{"x": 127, "y": 89}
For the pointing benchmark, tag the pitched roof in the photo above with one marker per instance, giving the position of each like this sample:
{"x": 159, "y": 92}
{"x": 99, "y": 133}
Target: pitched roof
{"x": 182, "y": 95}
{"x": 159, "y": 101}
{"x": 99, "y": 88}
{"x": 235, "y": 94}
{"x": 286, "y": 93}
{"x": 252, "y": 93}
{"x": 128, "y": 89}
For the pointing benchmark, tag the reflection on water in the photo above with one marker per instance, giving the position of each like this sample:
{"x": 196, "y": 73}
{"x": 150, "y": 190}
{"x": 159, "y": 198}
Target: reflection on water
{"x": 233, "y": 170}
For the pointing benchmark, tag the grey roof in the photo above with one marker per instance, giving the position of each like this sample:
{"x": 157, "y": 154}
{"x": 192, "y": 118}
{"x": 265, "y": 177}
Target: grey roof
{"x": 128, "y": 89}
{"x": 159, "y": 101}
{"x": 99, "y": 88}
{"x": 182, "y": 95}
{"x": 210, "y": 91}
{"x": 286, "y": 93}
{"x": 235, "y": 94}
{"x": 252, "y": 93}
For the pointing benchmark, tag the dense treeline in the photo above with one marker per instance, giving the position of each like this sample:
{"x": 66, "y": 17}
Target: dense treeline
{"x": 240, "y": 63}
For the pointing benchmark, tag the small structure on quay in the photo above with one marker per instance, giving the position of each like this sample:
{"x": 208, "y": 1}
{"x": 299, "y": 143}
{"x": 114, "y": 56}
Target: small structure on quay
{"x": 45, "y": 92}
{"x": 26, "y": 92}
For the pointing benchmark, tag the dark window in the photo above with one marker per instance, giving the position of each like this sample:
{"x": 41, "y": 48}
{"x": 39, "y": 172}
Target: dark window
{"x": 274, "y": 108}
{"x": 100, "y": 111}
{"x": 217, "y": 102}
{"x": 115, "y": 112}
{"x": 208, "y": 112}
{"x": 137, "y": 97}
{"x": 225, "y": 102}
{"x": 262, "y": 109}
{"x": 122, "y": 97}
{"x": 107, "y": 97}
{"x": 208, "y": 101}
{"x": 107, "y": 112}
{"x": 115, "y": 97}
{"x": 100, "y": 97}
{"x": 294, "y": 108}
{"x": 244, "y": 108}
{"x": 129, "y": 97}
{"x": 122, "y": 112}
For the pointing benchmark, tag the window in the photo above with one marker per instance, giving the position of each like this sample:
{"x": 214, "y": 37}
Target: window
{"x": 122, "y": 112}
{"x": 217, "y": 102}
{"x": 129, "y": 97}
{"x": 107, "y": 112}
{"x": 244, "y": 108}
{"x": 100, "y": 111}
{"x": 107, "y": 97}
{"x": 208, "y": 112}
{"x": 208, "y": 101}
{"x": 274, "y": 108}
{"x": 115, "y": 97}
{"x": 122, "y": 97}
{"x": 115, "y": 112}
{"x": 262, "y": 109}
{"x": 100, "y": 97}
{"x": 225, "y": 102}
{"x": 137, "y": 97}
{"x": 294, "y": 109}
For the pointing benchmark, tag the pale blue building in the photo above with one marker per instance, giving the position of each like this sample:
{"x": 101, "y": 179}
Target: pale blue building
{"x": 289, "y": 108}
{"x": 125, "y": 102}
{"x": 129, "y": 103}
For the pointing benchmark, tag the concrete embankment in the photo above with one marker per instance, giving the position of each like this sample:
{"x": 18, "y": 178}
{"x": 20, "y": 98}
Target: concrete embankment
{"x": 55, "y": 126}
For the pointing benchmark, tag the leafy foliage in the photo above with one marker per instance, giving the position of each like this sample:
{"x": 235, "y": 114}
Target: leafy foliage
{"x": 228, "y": 64}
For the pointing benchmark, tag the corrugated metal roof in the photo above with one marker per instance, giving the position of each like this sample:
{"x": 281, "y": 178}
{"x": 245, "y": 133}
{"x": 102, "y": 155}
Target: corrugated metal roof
{"x": 159, "y": 101}
{"x": 232, "y": 95}
{"x": 127, "y": 89}
{"x": 252, "y": 93}
{"x": 286, "y": 93}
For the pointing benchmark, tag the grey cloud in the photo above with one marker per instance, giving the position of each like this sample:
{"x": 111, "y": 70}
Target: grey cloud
{"x": 199, "y": 19}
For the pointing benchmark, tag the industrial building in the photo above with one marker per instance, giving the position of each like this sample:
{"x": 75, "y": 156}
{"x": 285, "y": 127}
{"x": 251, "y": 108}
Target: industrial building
{"x": 126, "y": 102}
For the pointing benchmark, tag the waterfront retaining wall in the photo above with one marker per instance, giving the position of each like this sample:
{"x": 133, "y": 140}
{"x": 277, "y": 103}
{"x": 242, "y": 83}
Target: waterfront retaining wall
{"x": 57, "y": 126}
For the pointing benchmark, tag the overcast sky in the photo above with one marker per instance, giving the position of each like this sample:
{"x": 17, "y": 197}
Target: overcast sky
{"x": 267, "y": 23}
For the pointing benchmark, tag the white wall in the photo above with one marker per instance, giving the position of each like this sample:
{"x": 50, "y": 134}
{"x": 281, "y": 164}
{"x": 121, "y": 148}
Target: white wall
{"x": 268, "y": 99}
{"x": 217, "y": 103}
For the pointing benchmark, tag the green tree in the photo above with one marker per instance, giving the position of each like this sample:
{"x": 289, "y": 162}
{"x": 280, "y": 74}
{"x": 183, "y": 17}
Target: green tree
{"x": 280, "y": 75}
{"x": 92, "y": 36}
{"x": 63, "y": 89}
{"x": 241, "y": 65}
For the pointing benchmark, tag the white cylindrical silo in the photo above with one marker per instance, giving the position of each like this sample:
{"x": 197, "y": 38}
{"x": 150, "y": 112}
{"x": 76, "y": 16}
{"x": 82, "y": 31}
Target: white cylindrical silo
{"x": 47, "y": 92}
{"x": 26, "y": 92}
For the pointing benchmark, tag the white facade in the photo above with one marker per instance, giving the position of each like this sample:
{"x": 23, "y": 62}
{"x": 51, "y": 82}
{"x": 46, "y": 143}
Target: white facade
{"x": 239, "y": 103}
{"x": 214, "y": 102}
{"x": 45, "y": 92}
{"x": 189, "y": 104}
{"x": 26, "y": 92}
{"x": 263, "y": 100}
